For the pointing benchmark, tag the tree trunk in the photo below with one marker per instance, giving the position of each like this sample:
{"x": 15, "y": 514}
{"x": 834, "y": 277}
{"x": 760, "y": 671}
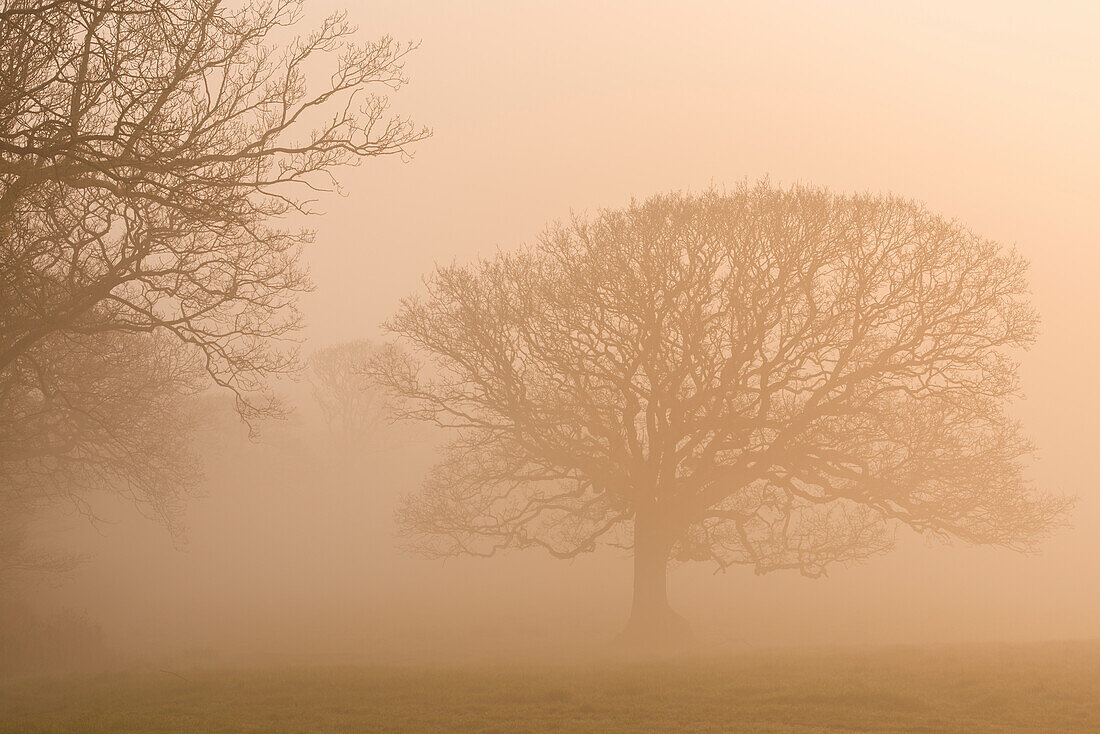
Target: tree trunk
{"x": 652, "y": 623}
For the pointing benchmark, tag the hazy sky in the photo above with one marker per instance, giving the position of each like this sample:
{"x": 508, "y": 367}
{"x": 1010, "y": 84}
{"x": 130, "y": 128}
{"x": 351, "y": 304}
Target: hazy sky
{"x": 985, "y": 111}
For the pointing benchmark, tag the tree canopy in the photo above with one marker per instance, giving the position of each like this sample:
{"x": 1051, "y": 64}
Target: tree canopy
{"x": 155, "y": 156}
{"x": 350, "y": 403}
{"x": 767, "y": 376}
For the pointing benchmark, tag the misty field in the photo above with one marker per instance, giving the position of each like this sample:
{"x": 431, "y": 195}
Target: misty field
{"x": 1050, "y": 687}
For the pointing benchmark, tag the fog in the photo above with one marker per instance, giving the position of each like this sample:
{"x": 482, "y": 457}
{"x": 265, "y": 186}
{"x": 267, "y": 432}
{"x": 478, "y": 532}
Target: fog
{"x": 986, "y": 113}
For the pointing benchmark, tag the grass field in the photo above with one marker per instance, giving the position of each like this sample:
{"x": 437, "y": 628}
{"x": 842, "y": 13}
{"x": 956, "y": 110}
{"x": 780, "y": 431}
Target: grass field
{"x": 1051, "y": 687}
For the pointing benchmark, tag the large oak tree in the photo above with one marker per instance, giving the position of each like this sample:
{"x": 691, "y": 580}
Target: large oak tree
{"x": 772, "y": 377}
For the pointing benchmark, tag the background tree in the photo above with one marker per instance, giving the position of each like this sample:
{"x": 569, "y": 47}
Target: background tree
{"x": 104, "y": 411}
{"x": 152, "y": 155}
{"x": 18, "y": 553}
{"x": 771, "y": 377}
{"x": 350, "y": 401}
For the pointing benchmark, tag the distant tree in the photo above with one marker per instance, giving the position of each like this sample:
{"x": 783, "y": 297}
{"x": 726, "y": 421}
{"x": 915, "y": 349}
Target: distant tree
{"x": 18, "y": 554}
{"x": 350, "y": 402}
{"x": 101, "y": 412}
{"x": 152, "y": 154}
{"x": 771, "y": 377}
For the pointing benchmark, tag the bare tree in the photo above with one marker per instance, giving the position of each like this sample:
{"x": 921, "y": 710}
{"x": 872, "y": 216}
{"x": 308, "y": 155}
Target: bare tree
{"x": 18, "y": 554}
{"x": 108, "y": 411}
{"x": 148, "y": 150}
{"x": 771, "y": 377}
{"x": 350, "y": 401}
{"x": 152, "y": 156}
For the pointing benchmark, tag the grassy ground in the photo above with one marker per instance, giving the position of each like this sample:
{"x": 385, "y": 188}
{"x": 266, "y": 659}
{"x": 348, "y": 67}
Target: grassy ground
{"x": 1050, "y": 687}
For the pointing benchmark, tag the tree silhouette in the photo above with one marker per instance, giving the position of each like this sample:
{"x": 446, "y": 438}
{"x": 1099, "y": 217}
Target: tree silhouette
{"x": 772, "y": 377}
{"x": 18, "y": 554}
{"x": 147, "y": 149}
{"x": 153, "y": 154}
{"x": 350, "y": 402}
{"x": 107, "y": 411}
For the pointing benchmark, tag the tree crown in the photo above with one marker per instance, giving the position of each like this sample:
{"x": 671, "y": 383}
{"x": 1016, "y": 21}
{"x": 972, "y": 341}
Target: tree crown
{"x": 780, "y": 375}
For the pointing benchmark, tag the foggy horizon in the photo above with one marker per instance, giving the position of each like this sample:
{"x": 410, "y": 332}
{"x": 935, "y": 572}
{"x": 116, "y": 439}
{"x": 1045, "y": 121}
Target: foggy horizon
{"x": 519, "y": 121}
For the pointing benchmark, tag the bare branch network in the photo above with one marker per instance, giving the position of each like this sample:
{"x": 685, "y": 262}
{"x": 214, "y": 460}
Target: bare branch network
{"x": 151, "y": 152}
{"x": 768, "y": 376}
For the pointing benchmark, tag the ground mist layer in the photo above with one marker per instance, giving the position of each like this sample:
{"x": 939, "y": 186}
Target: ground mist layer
{"x": 971, "y": 688}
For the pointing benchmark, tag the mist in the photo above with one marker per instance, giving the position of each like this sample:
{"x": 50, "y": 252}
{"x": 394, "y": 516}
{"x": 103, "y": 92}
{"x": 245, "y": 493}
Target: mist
{"x": 289, "y": 550}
